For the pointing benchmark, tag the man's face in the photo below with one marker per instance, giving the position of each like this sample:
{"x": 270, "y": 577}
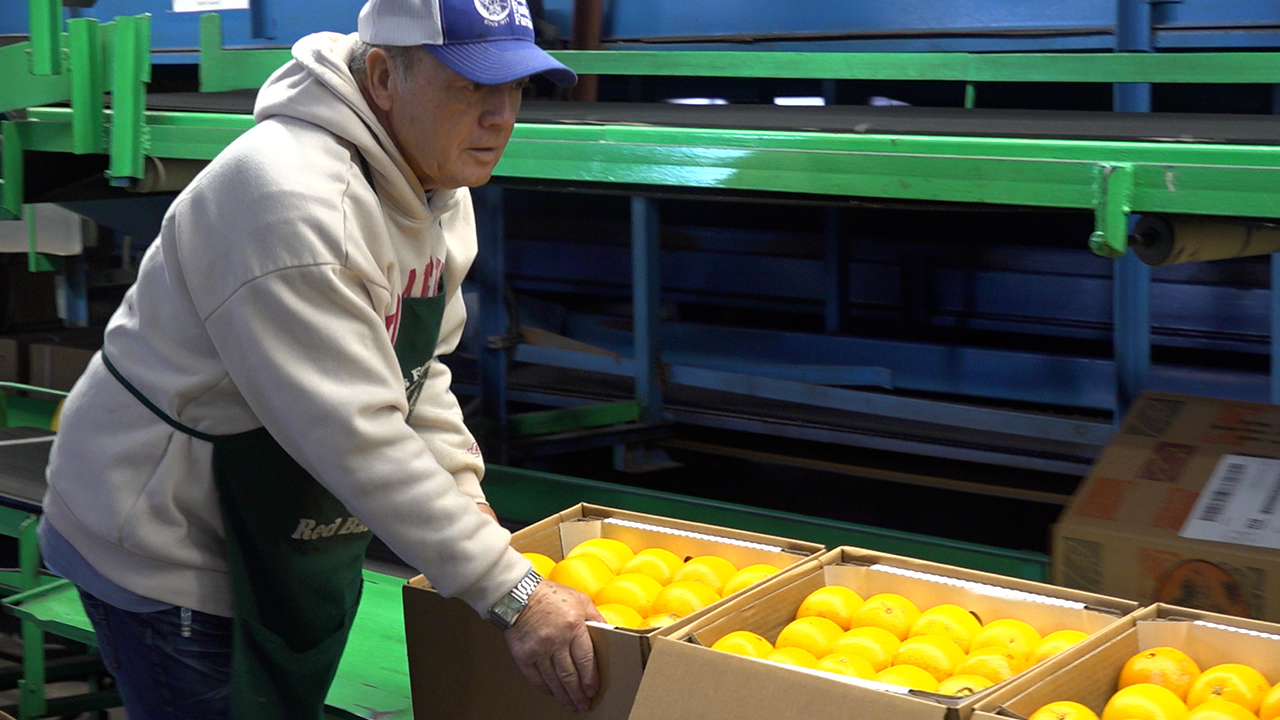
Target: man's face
{"x": 449, "y": 129}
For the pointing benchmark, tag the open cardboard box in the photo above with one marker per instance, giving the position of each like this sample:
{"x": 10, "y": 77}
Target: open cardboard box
{"x": 1209, "y": 638}
{"x": 685, "y": 679}
{"x": 459, "y": 664}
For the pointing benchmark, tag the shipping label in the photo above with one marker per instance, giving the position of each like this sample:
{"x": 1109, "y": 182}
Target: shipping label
{"x": 1239, "y": 503}
{"x": 206, "y": 5}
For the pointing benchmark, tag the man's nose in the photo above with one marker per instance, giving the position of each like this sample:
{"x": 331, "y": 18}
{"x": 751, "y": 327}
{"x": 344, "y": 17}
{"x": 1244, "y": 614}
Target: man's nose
{"x": 501, "y": 108}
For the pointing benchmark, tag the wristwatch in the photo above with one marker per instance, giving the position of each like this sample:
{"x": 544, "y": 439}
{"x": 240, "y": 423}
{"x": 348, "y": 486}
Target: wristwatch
{"x": 508, "y": 608}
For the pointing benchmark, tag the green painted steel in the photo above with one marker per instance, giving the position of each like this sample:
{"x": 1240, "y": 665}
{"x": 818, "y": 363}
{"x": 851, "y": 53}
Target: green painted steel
{"x": 88, "y": 123}
{"x": 526, "y": 496}
{"x": 574, "y": 418}
{"x": 130, "y": 74}
{"x": 46, "y": 36}
{"x": 233, "y": 69}
{"x": 372, "y": 679}
{"x": 1111, "y": 215}
{"x": 1204, "y": 67}
{"x": 11, "y": 170}
{"x": 21, "y": 88}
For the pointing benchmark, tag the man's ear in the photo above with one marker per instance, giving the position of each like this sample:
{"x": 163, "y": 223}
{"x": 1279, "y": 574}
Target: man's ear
{"x": 379, "y": 77}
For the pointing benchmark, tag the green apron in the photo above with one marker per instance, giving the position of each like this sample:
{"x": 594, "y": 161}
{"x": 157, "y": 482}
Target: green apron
{"x": 294, "y": 552}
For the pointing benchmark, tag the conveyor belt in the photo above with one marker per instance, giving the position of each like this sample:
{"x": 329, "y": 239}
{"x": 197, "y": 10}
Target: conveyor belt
{"x": 854, "y": 119}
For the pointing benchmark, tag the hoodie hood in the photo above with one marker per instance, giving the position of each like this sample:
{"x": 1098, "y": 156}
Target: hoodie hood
{"x": 304, "y": 89}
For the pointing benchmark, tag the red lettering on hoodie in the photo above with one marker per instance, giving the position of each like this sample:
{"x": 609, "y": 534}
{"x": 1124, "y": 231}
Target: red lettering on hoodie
{"x": 432, "y": 275}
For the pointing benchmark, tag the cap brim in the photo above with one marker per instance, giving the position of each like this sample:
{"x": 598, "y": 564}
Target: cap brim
{"x": 494, "y": 62}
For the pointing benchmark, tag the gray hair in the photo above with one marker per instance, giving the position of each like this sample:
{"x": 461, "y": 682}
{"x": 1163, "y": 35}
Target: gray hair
{"x": 403, "y": 58}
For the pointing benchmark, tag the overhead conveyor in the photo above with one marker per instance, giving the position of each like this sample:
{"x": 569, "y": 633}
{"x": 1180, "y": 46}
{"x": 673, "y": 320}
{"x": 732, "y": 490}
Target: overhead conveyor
{"x": 1112, "y": 165}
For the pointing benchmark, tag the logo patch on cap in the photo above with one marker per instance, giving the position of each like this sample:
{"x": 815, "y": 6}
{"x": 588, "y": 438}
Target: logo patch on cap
{"x": 495, "y": 11}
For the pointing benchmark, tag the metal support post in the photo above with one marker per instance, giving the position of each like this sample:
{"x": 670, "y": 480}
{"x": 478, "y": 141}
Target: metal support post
{"x": 262, "y": 15}
{"x": 646, "y": 283}
{"x": 31, "y": 698}
{"x": 490, "y": 276}
{"x": 1275, "y": 328}
{"x": 1133, "y": 34}
{"x": 837, "y": 271}
{"x": 88, "y": 116}
{"x": 11, "y": 170}
{"x": 131, "y": 71}
{"x": 46, "y": 37}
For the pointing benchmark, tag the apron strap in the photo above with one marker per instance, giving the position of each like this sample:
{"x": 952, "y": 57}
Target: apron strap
{"x": 152, "y": 407}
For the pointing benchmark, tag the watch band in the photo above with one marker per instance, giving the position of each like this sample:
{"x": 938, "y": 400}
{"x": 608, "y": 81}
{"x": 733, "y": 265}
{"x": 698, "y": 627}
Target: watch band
{"x": 507, "y": 609}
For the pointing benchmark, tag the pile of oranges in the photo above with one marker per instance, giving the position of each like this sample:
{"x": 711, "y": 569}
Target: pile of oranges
{"x": 945, "y": 649}
{"x": 1164, "y": 683}
{"x": 649, "y": 588}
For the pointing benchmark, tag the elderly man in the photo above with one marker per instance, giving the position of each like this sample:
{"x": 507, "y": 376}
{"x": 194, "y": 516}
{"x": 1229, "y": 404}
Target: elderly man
{"x": 267, "y": 393}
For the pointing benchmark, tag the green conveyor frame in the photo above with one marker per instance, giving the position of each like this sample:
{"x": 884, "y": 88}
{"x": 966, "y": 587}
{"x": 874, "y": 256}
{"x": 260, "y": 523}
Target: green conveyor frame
{"x": 1110, "y": 178}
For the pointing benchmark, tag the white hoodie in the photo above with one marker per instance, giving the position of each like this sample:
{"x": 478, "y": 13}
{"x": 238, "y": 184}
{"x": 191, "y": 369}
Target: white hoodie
{"x": 269, "y": 300}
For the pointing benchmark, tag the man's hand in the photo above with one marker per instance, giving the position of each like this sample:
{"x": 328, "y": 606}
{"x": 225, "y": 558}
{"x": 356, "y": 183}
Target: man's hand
{"x": 551, "y": 646}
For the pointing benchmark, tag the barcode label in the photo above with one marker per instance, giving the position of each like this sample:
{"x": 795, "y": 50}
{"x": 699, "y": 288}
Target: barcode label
{"x": 1221, "y": 495}
{"x": 1238, "y": 503}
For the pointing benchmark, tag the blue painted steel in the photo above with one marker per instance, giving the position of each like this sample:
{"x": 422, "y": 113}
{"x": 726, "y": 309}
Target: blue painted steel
{"x": 180, "y": 31}
{"x": 262, "y": 19}
{"x": 836, "y": 258}
{"x": 696, "y": 417}
{"x": 1009, "y": 292}
{"x": 1275, "y": 328}
{"x": 646, "y": 284}
{"x": 489, "y": 276}
{"x": 1133, "y": 34}
{"x": 970, "y": 418}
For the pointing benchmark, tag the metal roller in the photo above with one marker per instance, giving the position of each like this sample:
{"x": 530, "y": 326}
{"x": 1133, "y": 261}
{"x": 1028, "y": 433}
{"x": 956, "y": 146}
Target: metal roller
{"x": 1173, "y": 239}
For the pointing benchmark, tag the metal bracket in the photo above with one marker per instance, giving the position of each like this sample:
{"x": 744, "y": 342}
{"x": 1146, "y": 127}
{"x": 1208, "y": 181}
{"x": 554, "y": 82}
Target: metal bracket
{"x": 1113, "y": 200}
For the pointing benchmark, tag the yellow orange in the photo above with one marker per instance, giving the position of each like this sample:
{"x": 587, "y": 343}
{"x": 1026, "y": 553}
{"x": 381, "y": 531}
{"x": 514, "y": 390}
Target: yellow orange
{"x": 614, "y": 553}
{"x": 963, "y": 685}
{"x": 542, "y": 564}
{"x": 875, "y": 644}
{"x": 659, "y": 620}
{"x": 1054, "y": 643}
{"x": 1165, "y": 666}
{"x": 658, "y": 563}
{"x": 908, "y": 676}
{"x": 634, "y": 590}
{"x": 815, "y": 634}
{"x": 712, "y": 570}
{"x": 890, "y": 611}
{"x": 846, "y": 664}
{"x": 743, "y": 642}
{"x": 1219, "y": 709}
{"x": 950, "y": 621}
{"x": 748, "y": 576}
{"x": 620, "y": 615}
{"x": 586, "y": 573}
{"x": 1009, "y": 633}
{"x": 792, "y": 656}
{"x": 683, "y": 597}
{"x": 1063, "y": 710}
{"x": 935, "y": 654}
{"x": 836, "y": 603}
{"x": 1144, "y": 701}
{"x": 994, "y": 664}
{"x": 1270, "y": 708}
{"x": 1238, "y": 683}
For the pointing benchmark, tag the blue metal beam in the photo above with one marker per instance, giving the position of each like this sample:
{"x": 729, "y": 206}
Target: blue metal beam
{"x": 646, "y": 288}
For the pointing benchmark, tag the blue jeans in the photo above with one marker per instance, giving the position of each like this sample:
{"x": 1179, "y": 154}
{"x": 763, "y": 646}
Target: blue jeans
{"x": 173, "y": 664}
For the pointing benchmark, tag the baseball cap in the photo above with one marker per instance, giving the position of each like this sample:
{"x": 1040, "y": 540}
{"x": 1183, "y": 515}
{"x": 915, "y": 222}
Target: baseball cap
{"x": 485, "y": 41}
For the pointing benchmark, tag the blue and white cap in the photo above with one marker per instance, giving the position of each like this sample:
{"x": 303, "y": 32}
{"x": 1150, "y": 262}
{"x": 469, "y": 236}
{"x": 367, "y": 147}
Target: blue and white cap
{"x": 485, "y": 41}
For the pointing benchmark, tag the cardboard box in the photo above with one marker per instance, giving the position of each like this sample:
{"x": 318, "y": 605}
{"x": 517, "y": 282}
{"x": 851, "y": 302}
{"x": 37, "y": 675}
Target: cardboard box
{"x": 1120, "y": 533}
{"x": 460, "y": 667}
{"x": 1209, "y": 638}
{"x": 687, "y": 680}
